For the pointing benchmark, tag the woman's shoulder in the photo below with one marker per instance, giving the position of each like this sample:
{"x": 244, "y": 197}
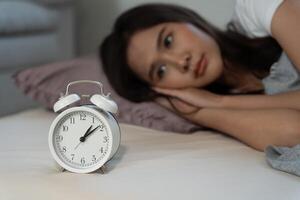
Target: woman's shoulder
{"x": 254, "y": 17}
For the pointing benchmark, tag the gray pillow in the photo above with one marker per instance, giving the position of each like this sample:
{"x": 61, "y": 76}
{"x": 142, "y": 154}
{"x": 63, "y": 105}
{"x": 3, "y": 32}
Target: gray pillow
{"x": 18, "y": 16}
{"x": 45, "y": 83}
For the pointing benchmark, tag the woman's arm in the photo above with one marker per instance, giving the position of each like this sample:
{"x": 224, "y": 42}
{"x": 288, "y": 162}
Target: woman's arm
{"x": 257, "y": 128}
{"x": 202, "y": 98}
{"x": 289, "y": 100}
{"x": 285, "y": 28}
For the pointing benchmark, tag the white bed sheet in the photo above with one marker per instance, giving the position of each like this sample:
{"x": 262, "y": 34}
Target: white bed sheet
{"x": 150, "y": 164}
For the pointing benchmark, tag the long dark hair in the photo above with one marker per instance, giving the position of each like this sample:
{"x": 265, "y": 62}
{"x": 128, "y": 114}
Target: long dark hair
{"x": 255, "y": 55}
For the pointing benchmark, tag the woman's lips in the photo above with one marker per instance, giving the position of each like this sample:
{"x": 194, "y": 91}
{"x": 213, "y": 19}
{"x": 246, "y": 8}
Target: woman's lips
{"x": 201, "y": 65}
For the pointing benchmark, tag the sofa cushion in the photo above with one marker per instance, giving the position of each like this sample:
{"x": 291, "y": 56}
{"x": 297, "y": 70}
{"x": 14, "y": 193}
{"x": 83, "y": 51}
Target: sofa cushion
{"x": 33, "y": 49}
{"x": 20, "y": 17}
{"x": 54, "y": 2}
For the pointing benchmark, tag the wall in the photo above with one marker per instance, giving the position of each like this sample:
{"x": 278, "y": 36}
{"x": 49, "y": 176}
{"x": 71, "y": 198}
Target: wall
{"x": 95, "y": 17}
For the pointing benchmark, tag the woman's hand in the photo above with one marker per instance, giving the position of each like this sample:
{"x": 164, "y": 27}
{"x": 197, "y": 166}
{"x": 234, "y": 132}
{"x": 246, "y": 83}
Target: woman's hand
{"x": 176, "y": 105}
{"x": 195, "y": 97}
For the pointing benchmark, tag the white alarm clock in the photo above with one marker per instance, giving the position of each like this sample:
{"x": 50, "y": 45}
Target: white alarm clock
{"x": 83, "y": 138}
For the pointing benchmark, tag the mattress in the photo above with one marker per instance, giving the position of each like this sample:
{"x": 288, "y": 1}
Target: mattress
{"x": 149, "y": 164}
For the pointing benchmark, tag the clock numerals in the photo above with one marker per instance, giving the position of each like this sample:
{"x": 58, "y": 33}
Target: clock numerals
{"x": 94, "y": 158}
{"x": 105, "y": 139}
{"x": 82, "y": 160}
{"x": 72, "y": 156}
{"x": 64, "y": 149}
{"x": 101, "y": 150}
{"x": 72, "y": 120}
{"x": 82, "y": 116}
{"x": 93, "y": 120}
{"x": 101, "y": 127}
{"x": 65, "y": 128}
{"x": 59, "y": 138}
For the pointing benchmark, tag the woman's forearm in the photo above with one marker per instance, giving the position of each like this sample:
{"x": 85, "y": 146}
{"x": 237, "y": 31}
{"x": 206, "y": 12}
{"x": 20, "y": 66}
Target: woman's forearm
{"x": 257, "y": 127}
{"x": 290, "y": 100}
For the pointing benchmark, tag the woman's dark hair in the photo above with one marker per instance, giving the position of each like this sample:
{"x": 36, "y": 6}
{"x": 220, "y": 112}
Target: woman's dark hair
{"x": 255, "y": 55}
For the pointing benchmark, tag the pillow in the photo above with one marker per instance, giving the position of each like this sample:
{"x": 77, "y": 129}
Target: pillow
{"x": 45, "y": 84}
{"x": 17, "y": 16}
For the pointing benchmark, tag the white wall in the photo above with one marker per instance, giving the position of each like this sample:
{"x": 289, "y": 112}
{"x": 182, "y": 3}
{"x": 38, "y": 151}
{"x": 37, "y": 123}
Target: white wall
{"x": 95, "y": 17}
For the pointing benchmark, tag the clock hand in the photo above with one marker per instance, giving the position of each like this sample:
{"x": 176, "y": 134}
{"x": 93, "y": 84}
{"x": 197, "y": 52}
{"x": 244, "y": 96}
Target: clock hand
{"x": 82, "y": 139}
{"x": 77, "y": 145}
{"x": 89, "y": 133}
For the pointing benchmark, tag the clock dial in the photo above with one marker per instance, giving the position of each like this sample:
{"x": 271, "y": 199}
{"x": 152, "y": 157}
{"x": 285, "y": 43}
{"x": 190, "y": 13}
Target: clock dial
{"x": 81, "y": 139}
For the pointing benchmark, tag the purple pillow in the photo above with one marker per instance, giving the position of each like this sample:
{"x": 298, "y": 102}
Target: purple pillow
{"x": 45, "y": 83}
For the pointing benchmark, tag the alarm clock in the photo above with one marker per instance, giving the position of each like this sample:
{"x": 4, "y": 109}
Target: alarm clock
{"x": 83, "y": 138}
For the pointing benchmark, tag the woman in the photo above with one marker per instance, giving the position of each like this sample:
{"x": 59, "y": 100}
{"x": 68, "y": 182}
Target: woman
{"x": 215, "y": 78}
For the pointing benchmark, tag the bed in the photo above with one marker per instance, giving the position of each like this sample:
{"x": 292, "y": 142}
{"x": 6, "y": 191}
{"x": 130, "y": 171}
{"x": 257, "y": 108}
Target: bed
{"x": 149, "y": 164}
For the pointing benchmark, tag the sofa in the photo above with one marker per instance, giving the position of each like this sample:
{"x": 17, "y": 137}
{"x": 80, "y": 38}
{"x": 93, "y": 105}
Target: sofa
{"x": 32, "y": 32}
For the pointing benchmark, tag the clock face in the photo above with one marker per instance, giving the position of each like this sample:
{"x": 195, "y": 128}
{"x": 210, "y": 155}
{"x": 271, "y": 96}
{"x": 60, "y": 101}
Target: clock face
{"x": 81, "y": 139}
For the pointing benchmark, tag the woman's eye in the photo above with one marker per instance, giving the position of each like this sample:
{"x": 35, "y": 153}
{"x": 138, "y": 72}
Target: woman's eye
{"x": 161, "y": 71}
{"x": 168, "y": 41}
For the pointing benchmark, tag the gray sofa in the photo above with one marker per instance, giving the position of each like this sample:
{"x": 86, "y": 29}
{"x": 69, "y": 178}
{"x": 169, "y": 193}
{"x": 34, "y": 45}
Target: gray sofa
{"x": 32, "y": 32}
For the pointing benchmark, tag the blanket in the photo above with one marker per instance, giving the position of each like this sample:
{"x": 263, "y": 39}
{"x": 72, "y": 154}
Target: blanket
{"x": 284, "y": 158}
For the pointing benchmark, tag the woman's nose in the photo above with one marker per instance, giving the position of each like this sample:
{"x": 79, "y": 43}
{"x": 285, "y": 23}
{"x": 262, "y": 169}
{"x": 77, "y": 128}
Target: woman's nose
{"x": 180, "y": 61}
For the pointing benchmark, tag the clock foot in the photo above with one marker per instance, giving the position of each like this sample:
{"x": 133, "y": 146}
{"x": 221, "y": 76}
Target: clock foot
{"x": 59, "y": 168}
{"x": 102, "y": 169}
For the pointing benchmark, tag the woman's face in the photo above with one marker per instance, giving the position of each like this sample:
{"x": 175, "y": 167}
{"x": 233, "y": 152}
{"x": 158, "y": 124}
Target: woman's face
{"x": 175, "y": 55}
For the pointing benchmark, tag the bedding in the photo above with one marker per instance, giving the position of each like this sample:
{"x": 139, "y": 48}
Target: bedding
{"x": 150, "y": 164}
{"x": 45, "y": 83}
{"x": 284, "y": 158}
